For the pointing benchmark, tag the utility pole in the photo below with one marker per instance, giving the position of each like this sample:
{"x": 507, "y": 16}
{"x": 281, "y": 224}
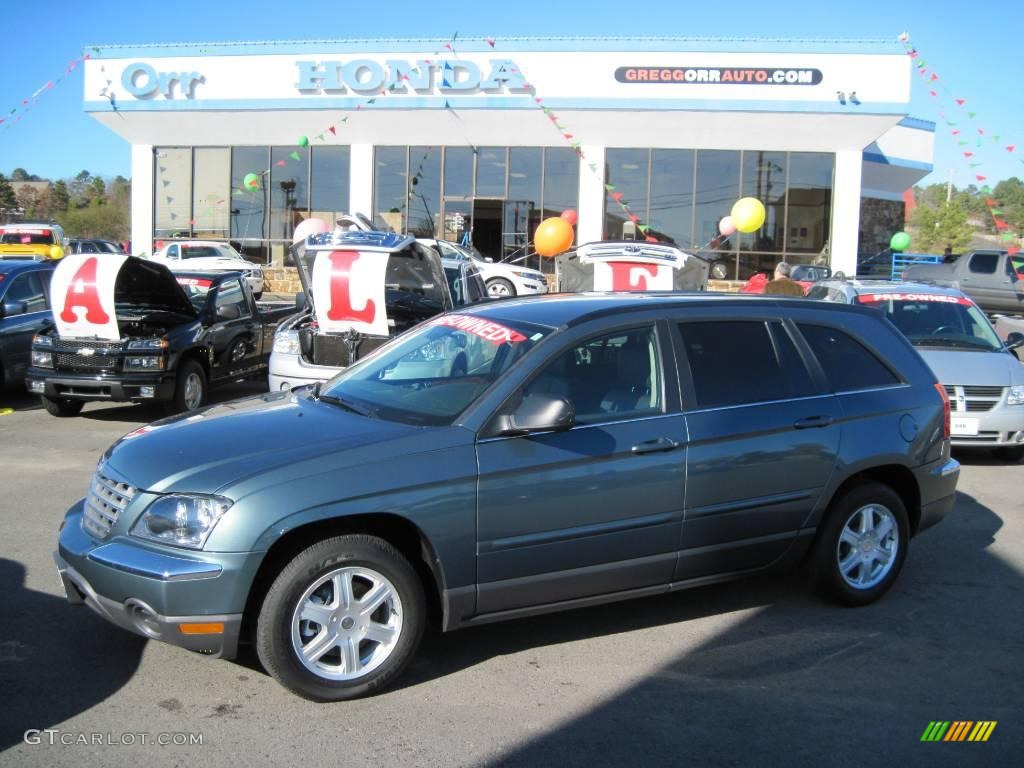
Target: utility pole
{"x": 949, "y": 187}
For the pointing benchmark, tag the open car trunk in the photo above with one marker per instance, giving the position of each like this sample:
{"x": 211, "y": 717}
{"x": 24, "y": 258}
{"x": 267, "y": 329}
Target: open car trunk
{"x": 630, "y": 266}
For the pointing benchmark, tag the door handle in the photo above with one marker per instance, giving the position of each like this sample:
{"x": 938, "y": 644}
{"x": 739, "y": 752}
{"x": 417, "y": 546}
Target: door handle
{"x": 812, "y": 422}
{"x": 654, "y": 446}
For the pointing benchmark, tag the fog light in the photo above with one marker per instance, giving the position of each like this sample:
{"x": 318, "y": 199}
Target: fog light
{"x": 147, "y": 391}
{"x": 143, "y": 617}
{"x": 1019, "y": 437}
{"x": 37, "y": 386}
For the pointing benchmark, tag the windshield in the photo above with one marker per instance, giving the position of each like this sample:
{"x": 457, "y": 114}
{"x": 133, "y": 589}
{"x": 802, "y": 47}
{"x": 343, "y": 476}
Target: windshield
{"x": 937, "y": 320}
{"x": 196, "y": 289}
{"x": 209, "y": 251}
{"x": 432, "y": 374}
{"x": 26, "y": 237}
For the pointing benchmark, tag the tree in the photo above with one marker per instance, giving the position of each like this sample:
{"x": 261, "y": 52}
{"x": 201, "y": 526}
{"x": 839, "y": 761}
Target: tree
{"x": 1009, "y": 198}
{"x": 96, "y": 191}
{"x": 32, "y": 203}
{"x": 20, "y": 174}
{"x": 8, "y": 200}
{"x": 937, "y": 228}
{"x": 78, "y": 189}
{"x": 60, "y": 199}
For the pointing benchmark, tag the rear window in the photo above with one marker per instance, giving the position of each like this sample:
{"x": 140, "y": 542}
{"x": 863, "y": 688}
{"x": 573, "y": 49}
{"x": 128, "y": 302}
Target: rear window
{"x": 201, "y": 252}
{"x": 848, "y": 364}
{"x": 742, "y": 362}
{"x": 27, "y": 237}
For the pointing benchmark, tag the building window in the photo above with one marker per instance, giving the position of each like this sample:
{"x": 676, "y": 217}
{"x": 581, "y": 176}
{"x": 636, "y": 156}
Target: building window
{"x": 211, "y": 193}
{"x": 670, "y": 210}
{"x": 173, "y": 192}
{"x": 809, "y": 204}
{"x": 424, "y": 206}
{"x": 764, "y": 177}
{"x": 390, "y": 185}
{"x": 249, "y": 206}
{"x": 289, "y": 196}
{"x": 491, "y": 164}
{"x": 629, "y": 171}
{"x": 328, "y": 183}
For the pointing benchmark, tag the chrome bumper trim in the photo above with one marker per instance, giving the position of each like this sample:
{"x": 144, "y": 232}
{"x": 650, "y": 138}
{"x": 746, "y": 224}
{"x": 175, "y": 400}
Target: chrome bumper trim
{"x": 152, "y": 565}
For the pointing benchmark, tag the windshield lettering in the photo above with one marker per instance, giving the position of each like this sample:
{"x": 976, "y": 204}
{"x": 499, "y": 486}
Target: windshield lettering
{"x": 485, "y": 329}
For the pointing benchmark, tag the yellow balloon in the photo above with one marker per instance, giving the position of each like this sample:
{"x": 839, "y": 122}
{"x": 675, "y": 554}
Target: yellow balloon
{"x": 553, "y": 236}
{"x": 748, "y": 214}
{"x": 56, "y": 252}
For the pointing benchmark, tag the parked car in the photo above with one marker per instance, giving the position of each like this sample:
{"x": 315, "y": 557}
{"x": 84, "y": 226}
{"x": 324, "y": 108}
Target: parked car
{"x": 557, "y": 474}
{"x": 980, "y": 372}
{"x": 209, "y": 256}
{"x": 126, "y": 329}
{"x": 24, "y": 311}
{"x": 805, "y": 274}
{"x": 501, "y": 279}
{"x": 92, "y": 245}
{"x": 32, "y": 240}
{"x": 990, "y": 278}
{"x": 409, "y": 283}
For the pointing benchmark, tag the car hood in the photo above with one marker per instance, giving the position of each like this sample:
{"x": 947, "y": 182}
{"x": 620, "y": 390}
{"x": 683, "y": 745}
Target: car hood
{"x": 979, "y": 369}
{"x": 208, "y": 451}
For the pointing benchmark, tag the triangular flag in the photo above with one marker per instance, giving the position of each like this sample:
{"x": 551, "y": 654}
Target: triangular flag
{"x": 972, "y": 115}
{"x": 968, "y": 154}
{"x": 933, "y": 93}
{"x": 1013, "y": 250}
{"x": 963, "y": 142}
{"x": 1001, "y": 225}
{"x": 333, "y": 132}
{"x": 567, "y": 135}
{"x": 643, "y": 228}
{"x": 295, "y": 156}
{"x": 489, "y": 41}
{"x": 988, "y": 200}
{"x": 997, "y": 212}
{"x": 981, "y": 178}
{"x": 995, "y": 138}
{"x": 617, "y": 197}
{"x": 981, "y": 131}
{"x": 609, "y": 187}
{"x": 1006, "y": 237}
{"x": 447, "y": 105}
{"x": 371, "y": 101}
{"x": 593, "y": 167}
{"x": 538, "y": 100}
{"x": 634, "y": 218}
{"x": 976, "y": 165}
{"x": 934, "y": 77}
{"x": 445, "y": 83}
{"x": 320, "y": 136}
{"x": 281, "y": 163}
{"x": 956, "y": 132}
{"x": 344, "y": 119}
{"x": 1011, "y": 147}
{"x": 961, "y": 102}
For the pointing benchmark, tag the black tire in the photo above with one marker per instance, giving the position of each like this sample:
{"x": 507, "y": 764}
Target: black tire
{"x": 62, "y": 406}
{"x": 278, "y": 627}
{"x": 1011, "y": 454}
{"x": 868, "y": 499}
{"x": 499, "y": 287}
{"x": 184, "y": 398}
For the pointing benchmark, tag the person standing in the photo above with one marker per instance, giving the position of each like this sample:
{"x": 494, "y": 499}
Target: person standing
{"x": 782, "y": 285}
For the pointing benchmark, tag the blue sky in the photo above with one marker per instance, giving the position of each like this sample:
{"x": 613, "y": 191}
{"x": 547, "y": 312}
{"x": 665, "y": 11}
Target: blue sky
{"x": 974, "y": 48}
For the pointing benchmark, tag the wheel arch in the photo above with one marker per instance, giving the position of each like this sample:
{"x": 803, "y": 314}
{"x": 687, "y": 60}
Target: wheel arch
{"x": 896, "y": 476}
{"x": 398, "y": 531}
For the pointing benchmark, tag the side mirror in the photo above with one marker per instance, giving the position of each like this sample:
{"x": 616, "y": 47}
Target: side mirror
{"x": 1014, "y": 340}
{"x": 538, "y": 413}
{"x": 12, "y": 308}
{"x": 229, "y": 312}
{"x": 300, "y": 300}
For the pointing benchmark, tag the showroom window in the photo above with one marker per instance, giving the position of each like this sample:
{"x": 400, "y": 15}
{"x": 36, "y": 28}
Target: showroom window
{"x": 173, "y": 192}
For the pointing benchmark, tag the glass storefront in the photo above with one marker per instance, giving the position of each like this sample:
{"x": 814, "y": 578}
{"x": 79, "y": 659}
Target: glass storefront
{"x": 682, "y": 194}
{"x": 200, "y": 192}
{"x": 490, "y": 198}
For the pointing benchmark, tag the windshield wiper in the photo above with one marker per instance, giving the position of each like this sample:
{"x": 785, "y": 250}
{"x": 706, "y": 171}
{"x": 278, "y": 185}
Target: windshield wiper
{"x": 348, "y": 405}
{"x": 942, "y": 342}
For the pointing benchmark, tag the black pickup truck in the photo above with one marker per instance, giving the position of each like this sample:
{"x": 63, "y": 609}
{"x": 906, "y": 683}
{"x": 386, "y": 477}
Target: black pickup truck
{"x": 175, "y": 336}
{"x": 993, "y": 279}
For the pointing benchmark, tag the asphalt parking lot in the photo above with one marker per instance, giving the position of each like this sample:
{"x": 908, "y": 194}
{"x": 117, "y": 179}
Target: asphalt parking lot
{"x": 758, "y": 672}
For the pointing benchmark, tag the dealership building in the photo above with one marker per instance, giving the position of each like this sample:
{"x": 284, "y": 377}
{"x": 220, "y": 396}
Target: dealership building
{"x": 478, "y": 140}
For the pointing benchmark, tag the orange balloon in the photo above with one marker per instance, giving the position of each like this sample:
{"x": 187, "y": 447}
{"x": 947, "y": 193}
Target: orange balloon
{"x": 553, "y": 236}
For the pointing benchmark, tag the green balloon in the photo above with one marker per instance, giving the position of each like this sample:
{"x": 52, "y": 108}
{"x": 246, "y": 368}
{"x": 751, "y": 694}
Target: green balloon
{"x": 303, "y": 141}
{"x": 251, "y": 181}
{"x": 900, "y": 241}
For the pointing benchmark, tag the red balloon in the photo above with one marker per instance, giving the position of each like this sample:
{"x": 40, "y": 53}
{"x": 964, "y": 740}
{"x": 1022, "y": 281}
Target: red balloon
{"x": 570, "y": 215}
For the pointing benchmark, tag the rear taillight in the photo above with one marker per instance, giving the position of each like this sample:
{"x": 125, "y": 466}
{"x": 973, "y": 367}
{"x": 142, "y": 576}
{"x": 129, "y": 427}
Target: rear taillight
{"x": 945, "y": 410}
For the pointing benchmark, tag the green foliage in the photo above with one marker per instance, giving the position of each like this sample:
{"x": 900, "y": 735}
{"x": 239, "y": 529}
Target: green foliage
{"x": 7, "y": 198}
{"x": 60, "y": 197}
{"x": 99, "y": 220}
{"x": 1009, "y": 197}
{"x": 941, "y": 226}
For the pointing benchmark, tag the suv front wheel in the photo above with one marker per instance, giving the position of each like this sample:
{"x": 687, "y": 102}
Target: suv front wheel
{"x": 862, "y": 545}
{"x": 342, "y": 619}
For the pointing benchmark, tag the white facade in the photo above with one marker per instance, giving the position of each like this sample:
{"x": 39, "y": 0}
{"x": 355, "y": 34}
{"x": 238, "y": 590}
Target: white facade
{"x": 847, "y": 99}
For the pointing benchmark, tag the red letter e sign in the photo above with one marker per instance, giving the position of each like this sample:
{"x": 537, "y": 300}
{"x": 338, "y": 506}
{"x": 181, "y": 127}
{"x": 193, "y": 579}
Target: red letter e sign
{"x": 82, "y": 289}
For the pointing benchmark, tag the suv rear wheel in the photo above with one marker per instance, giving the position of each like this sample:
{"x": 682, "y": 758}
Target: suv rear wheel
{"x": 342, "y": 619}
{"x": 862, "y": 545}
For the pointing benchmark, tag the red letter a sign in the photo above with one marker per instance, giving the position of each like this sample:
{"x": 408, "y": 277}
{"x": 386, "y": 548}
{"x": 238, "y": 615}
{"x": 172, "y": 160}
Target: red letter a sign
{"x": 82, "y": 293}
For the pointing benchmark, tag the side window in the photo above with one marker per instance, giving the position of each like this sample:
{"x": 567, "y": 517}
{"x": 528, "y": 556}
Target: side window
{"x": 173, "y": 251}
{"x": 230, "y": 295}
{"x": 28, "y": 288}
{"x": 848, "y": 365}
{"x": 87, "y": 247}
{"x": 743, "y": 362}
{"x": 984, "y": 263}
{"x": 475, "y": 287}
{"x": 614, "y": 376}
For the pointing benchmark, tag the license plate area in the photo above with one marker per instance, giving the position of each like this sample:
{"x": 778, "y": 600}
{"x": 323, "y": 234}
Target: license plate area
{"x": 960, "y": 426}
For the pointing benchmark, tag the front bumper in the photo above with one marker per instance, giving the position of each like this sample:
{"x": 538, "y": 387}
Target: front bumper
{"x": 1001, "y": 427}
{"x": 531, "y": 287}
{"x": 122, "y": 388}
{"x": 287, "y": 371}
{"x": 150, "y": 592}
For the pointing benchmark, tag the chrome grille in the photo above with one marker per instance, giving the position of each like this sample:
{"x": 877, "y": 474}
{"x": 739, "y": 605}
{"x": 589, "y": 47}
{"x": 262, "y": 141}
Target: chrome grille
{"x": 973, "y": 399}
{"x": 74, "y": 345}
{"x": 106, "y": 500}
{"x": 64, "y": 360}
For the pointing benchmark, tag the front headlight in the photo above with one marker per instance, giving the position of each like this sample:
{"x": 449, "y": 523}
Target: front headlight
{"x": 1016, "y": 395}
{"x": 286, "y": 342}
{"x": 181, "y": 520}
{"x": 144, "y": 363}
{"x": 42, "y": 359}
{"x": 148, "y": 344}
